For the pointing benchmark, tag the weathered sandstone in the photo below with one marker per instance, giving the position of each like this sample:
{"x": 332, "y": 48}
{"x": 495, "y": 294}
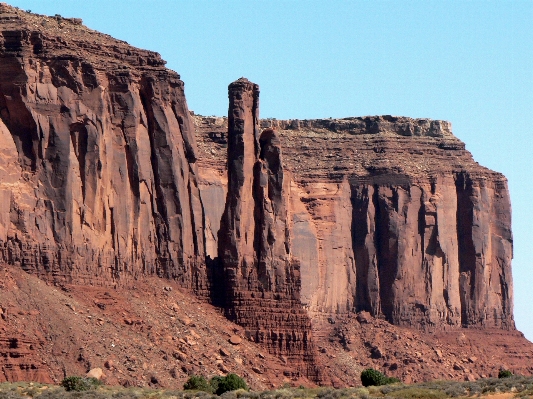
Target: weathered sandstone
{"x": 393, "y": 216}
{"x": 261, "y": 277}
{"x": 107, "y": 179}
{"x": 98, "y": 181}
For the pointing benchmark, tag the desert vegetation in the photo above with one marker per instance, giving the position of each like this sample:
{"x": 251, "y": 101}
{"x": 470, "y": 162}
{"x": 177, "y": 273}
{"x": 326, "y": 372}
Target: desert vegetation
{"x": 372, "y": 377}
{"x": 217, "y": 385}
{"x": 516, "y": 386}
{"x": 75, "y": 383}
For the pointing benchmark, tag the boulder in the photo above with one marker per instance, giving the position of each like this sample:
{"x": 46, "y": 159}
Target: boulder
{"x": 95, "y": 373}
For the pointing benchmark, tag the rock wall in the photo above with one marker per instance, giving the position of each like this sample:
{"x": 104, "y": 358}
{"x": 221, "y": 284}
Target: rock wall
{"x": 98, "y": 182}
{"x": 261, "y": 277}
{"x": 392, "y": 216}
{"x": 427, "y": 257}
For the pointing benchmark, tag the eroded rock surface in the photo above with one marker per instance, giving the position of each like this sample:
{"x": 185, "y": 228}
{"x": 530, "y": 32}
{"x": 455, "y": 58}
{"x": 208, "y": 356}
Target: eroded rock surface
{"x": 98, "y": 180}
{"x": 106, "y": 179}
{"x": 261, "y": 277}
{"x": 391, "y": 215}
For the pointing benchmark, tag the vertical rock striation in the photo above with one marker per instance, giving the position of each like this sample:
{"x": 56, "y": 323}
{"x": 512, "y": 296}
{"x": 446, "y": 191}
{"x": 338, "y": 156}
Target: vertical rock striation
{"x": 392, "y": 215}
{"x": 434, "y": 254}
{"x": 262, "y": 278}
{"x": 98, "y": 183}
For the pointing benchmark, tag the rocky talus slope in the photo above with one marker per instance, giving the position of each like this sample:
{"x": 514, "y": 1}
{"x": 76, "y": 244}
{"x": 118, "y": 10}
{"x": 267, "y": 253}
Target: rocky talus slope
{"x": 157, "y": 334}
{"x": 123, "y": 215}
{"x": 153, "y": 335}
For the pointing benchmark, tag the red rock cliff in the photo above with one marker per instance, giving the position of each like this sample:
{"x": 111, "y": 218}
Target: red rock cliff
{"x": 262, "y": 278}
{"x": 102, "y": 183}
{"x": 98, "y": 180}
{"x": 389, "y": 215}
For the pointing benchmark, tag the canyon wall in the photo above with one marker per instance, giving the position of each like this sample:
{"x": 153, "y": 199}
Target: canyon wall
{"x": 106, "y": 177}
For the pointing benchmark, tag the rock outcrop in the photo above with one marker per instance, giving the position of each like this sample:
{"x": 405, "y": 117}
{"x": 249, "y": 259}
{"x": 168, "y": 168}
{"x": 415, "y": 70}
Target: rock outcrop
{"x": 393, "y": 216}
{"x": 98, "y": 181}
{"x": 20, "y": 361}
{"x": 261, "y": 277}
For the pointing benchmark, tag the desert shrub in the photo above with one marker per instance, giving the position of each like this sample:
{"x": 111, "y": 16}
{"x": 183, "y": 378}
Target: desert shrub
{"x": 391, "y": 380}
{"x": 248, "y": 394}
{"x": 231, "y": 382}
{"x": 196, "y": 395}
{"x": 228, "y": 395}
{"x": 197, "y": 383}
{"x": 9, "y": 395}
{"x": 361, "y": 393}
{"x": 372, "y": 377}
{"x": 330, "y": 393}
{"x": 75, "y": 383}
{"x": 419, "y": 393}
{"x": 474, "y": 388}
{"x": 386, "y": 390}
{"x": 215, "y": 382}
{"x": 505, "y": 374}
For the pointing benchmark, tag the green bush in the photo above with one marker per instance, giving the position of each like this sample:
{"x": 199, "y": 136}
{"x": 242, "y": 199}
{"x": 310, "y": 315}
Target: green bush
{"x": 505, "y": 374}
{"x": 215, "y": 382}
{"x": 231, "y": 382}
{"x": 374, "y": 377}
{"x": 75, "y": 383}
{"x": 197, "y": 383}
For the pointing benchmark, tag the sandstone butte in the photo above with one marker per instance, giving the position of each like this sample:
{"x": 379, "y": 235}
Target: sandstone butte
{"x": 332, "y": 244}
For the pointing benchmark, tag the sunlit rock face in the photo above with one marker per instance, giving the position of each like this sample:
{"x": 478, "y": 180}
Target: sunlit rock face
{"x": 390, "y": 215}
{"x": 102, "y": 182}
{"x": 106, "y": 178}
{"x": 261, "y": 281}
{"x": 98, "y": 179}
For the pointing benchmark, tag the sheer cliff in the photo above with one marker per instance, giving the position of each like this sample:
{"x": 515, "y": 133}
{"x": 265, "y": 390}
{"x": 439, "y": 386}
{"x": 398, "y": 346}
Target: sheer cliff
{"x": 98, "y": 181}
{"x": 389, "y": 215}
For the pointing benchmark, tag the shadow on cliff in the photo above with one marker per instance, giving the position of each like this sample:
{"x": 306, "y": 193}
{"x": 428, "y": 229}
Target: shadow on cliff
{"x": 215, "y": 277}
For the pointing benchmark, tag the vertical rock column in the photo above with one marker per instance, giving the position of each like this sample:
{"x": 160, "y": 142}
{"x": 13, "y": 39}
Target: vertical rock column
{"x": 262, "y": 279}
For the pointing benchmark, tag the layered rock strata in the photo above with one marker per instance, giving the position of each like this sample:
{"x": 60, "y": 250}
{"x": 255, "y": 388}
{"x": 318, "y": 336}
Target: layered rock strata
{"x": 98, "y": 181}
{"x": 20, "y": 362}
{"x": 262, "y": 278}
{"x": 390, "y": 215}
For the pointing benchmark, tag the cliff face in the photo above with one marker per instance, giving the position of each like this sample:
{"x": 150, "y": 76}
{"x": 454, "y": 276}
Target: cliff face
{"x": 392, "y": 216}
{"x": 98, "y": 181}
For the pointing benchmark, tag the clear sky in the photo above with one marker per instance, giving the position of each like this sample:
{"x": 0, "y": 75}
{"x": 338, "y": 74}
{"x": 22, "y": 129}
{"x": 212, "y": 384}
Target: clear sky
{"x": 468, "y": 62}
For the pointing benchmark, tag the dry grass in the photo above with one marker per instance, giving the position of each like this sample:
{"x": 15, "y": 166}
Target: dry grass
{"x": 506, "y": 388}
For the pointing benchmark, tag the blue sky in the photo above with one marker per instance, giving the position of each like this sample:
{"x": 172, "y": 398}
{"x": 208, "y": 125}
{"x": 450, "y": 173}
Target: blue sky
{"x": 468, "y": 62}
